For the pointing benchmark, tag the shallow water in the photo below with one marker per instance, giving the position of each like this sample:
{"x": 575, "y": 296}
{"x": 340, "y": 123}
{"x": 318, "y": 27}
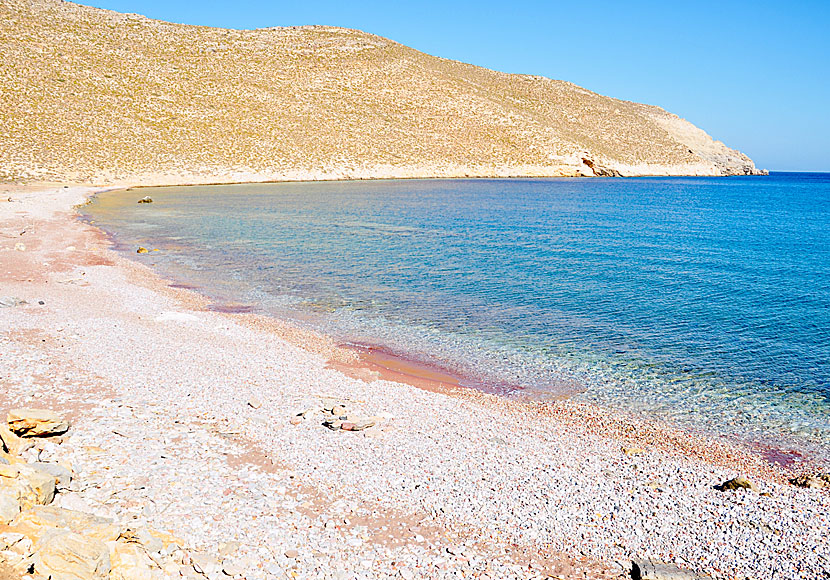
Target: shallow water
{"x": 702, "y": 300}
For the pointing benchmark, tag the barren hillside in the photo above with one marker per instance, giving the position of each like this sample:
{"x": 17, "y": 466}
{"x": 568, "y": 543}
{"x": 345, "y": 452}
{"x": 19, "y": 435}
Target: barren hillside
{"x": 93, "y": 95}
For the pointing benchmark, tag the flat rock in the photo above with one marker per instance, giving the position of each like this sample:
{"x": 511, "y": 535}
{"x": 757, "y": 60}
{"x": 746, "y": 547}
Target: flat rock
{"x": 63, "y": 477}
{"x": 37, "y": 522}
{"x": 36, "y": 423}
{"x": 654, "y": 570}
{"x": 9, "y": 507}
{"x": 68, "y": 556}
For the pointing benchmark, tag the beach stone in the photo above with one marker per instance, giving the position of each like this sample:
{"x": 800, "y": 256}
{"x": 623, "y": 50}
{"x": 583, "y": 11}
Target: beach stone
{"x": 254, "y": 403}
{"x": 633, "y": 451}
{"x": 41, "y": 482}
{"x": 142, "y": 537}
{"x": 815, "y": 481}
{"x": 654, "y": 570}
{"x": 63, "y": 477}
{"x": 28, "y": 486}
{"x": 229, "y": 548}
{"x": 232, "y": 568}
{"x": 146, "y": 199}
{"x": 9, "y": 471}
{"x": 204, "y": 563}
{"x": 142, "y": 250}
{"x": 71, "y": 556}
{"x": 16, "y": 551}
{"x": 13, "y": 444}
{"x": 739, "y": 482}
{"x": 36, "y": 423}
{"x": 9, "y": 507}
{"x": 362, "y": 424}
{"x": 296, "y": 420}
{"x": 129, "y": 561}
{"x": 291, "y": 553}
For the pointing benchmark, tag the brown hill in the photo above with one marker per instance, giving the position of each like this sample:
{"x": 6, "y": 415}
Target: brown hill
{"x": 94, "y": 95}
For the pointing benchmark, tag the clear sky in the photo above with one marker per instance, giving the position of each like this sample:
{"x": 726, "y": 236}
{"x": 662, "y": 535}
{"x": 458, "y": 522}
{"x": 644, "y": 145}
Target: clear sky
{"x": 755, "y": 75}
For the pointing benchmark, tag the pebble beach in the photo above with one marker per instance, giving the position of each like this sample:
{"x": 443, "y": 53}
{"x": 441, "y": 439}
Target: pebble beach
{"x": 269, "y": 452}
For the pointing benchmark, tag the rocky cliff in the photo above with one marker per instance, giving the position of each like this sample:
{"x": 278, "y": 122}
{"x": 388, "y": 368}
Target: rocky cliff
{"x": 93, "y": 95}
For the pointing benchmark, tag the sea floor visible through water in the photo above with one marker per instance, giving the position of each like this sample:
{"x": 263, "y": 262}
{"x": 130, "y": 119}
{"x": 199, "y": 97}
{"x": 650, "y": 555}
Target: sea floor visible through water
{"x": 701, "y": 301}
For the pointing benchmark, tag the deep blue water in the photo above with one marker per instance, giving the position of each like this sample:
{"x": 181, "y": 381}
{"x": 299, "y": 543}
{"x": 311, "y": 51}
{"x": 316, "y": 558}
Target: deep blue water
{"x": 702, "y": 300}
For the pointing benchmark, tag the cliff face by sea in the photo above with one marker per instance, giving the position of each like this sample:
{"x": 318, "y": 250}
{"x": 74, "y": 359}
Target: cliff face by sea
{"x": 98, "y": 96}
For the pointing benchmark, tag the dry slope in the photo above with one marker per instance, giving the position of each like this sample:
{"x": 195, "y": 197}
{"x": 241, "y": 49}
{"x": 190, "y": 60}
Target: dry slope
{"x": 94, "y": 95}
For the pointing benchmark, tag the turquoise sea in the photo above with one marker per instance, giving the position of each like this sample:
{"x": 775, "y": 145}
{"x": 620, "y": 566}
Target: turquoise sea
{"x": 704, "y": 301}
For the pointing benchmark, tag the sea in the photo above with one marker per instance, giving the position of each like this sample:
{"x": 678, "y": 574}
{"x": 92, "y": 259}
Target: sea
{"x": 704, "y": 302}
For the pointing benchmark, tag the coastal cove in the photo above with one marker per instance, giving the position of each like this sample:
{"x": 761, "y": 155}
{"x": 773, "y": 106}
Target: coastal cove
{"x": 700, "y": 301}
{"x": 211, "y": 427}
{"x": 414, "y": 291}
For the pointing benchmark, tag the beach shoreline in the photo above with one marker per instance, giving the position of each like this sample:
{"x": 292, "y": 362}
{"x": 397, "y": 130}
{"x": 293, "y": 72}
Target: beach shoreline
{"x": 138, "y": 338}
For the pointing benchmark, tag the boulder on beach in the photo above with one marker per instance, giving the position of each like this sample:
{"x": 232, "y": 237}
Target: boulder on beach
{"x": 739, "y": 482}
{"x": 36, "y": 423}
{"x": 812, "y": 481}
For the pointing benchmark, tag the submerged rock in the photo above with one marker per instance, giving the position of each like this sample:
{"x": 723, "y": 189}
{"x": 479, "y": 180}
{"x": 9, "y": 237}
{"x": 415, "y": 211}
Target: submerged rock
{"x": 36, "y": 423}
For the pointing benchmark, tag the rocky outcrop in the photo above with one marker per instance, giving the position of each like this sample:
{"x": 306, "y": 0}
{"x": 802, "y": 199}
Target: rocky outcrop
{"x": 48, "y": 541}
{"x": 121, "y": 97}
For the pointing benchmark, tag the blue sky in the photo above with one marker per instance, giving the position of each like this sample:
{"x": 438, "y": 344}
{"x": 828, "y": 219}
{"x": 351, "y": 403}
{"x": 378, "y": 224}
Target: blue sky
{"x": 755, "y": 75}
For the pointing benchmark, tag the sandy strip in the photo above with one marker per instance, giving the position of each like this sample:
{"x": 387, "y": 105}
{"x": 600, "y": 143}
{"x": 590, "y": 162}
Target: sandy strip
{"x": 451, "y": 483}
